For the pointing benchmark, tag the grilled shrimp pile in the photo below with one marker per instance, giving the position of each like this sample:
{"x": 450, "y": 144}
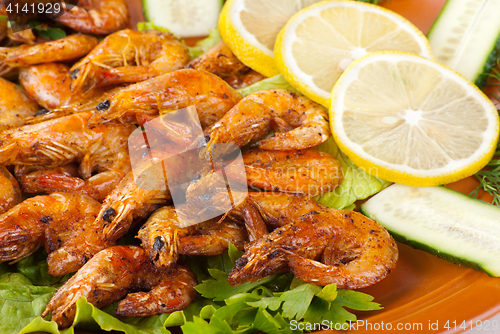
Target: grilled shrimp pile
{"x": 64, "y": 143}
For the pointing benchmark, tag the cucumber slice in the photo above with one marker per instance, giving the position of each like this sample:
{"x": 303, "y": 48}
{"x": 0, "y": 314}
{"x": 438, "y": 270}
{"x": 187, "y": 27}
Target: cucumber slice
{"x": 441, "y": 221}
{"x": 466, "y": 37}
{"x": 186, "y": 18}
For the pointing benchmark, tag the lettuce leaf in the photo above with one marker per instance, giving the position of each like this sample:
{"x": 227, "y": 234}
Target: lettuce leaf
{"x": 89, "y": 317}
{"x": 356, "y": 185}
{"x": 143, "y": 26}
{"x": 36, "y": 269}
{"x": 203, "y": 45}
{"x": 276, "y": 82}
{"x": 20, "y": 302}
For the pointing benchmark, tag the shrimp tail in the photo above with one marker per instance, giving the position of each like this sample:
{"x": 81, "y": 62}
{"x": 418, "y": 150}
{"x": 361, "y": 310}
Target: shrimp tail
{"x": 17, "y": 244}
{"x": 318, "y": 273}
{"x": 8, "y": 153}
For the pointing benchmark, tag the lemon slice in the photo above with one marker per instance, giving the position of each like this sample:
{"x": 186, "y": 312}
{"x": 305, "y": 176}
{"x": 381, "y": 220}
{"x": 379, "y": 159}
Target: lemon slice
{"x": 411, "y": 120}
{"x": 319, "y": 42}
{"x": 249, "y": 28}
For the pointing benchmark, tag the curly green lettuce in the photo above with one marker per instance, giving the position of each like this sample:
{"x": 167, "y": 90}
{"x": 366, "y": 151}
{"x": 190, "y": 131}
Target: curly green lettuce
{"x": 357, "y": 184}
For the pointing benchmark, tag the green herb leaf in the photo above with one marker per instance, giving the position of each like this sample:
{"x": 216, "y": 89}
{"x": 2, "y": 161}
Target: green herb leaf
{"x": 47, "y": 32}
{"x": 234, "y": 253}
{"x": 14, "y": 278}
{"x": 198, "y": 325}
{"x": 237, "y": 310}
{"x": 219, "y": 289}
{"x": 205, "y": 44}
{"x": 35, "y": 268}
{"x": 143, "y": 26}
{"x": 357, "y": 184}
{"x": 272, "y": 303}
{"x": 328, "y": 293}
{"x": 20, "y": 302}
{"x": 3, "y": 18}
{"x": 89, "y": 317}
{"x": 200, "y": 307}
{"x": 356, "y": 300}
{"x": 296, "y": 301}
{"x": 276, "y": 82}
{"x": 489, "y": 177}
{"x": 266, "y": 323}
{"x": 51, "y": 33}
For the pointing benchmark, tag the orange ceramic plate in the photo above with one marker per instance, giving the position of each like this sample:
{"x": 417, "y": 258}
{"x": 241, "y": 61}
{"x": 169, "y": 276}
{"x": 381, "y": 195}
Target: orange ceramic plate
{"x": 424, "y": 293}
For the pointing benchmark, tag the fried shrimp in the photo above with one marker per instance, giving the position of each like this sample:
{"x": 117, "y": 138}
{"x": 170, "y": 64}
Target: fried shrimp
{"x": 30, "y": 177}
{"x": 26, "y": 36}
{"x": 15, "y": 106}
{"x": 78, "y": 103}
{"x": 310, "y": 172}
{"x": 318, "y": 245}
{"x": 164, "y": 238}
{"x": 64, "y": 49}
{"x": 97, "y": 17}
{"x": 48, "y": 84}
{"x": 101, "y": 152}
{"x": 222, "y": 62}
{"x": 298, "y": 122}
{"x": 139, "y": 195}
{"x": 129, "y": 56}
{"x": 211, "y": 96}
{"x": 128, "y": 202}
{"x": 174, "y": 292}
{"x": 10, "y": 194}
{"x": 51, "y": 221}
{"x": 113, "y": 273}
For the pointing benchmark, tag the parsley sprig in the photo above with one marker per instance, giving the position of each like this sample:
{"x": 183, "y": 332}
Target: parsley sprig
{"x": 271, "y": 305}
{"x": 489, "y": 177}
{"x": 46, "y": 31}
